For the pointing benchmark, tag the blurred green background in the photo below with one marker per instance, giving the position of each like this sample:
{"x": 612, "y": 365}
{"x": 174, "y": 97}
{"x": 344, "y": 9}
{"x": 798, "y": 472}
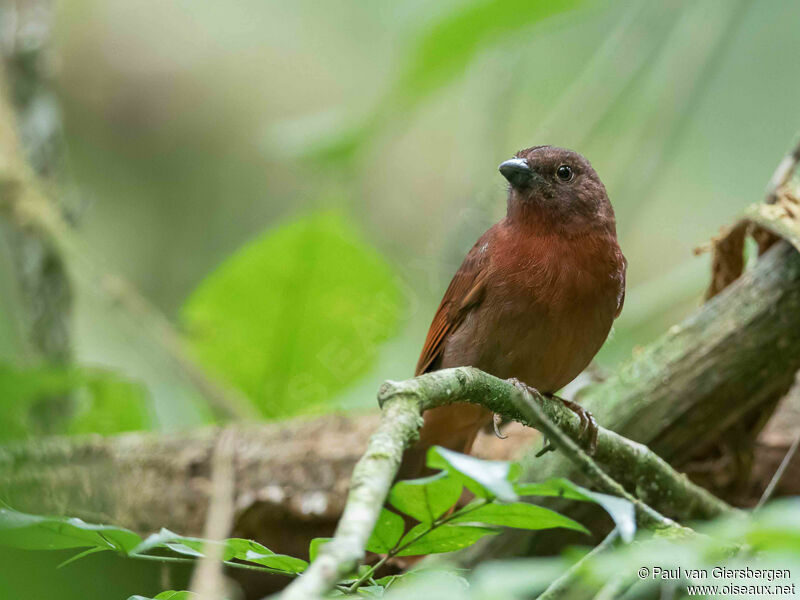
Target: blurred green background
{"x": 293, "y": 184}
{"x": 288, "y": 187}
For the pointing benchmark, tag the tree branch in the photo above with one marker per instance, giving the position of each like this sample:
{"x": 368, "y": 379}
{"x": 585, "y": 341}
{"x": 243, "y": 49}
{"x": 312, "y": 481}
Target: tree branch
{"x": 403, "y": 404}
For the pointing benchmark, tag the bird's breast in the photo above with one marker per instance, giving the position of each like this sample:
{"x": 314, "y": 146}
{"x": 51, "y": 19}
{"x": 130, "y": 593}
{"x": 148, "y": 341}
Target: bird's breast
{"x": 549, "y": 306}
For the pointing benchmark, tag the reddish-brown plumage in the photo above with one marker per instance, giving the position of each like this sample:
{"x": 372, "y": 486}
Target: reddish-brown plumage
{"x": 535, "y": 297}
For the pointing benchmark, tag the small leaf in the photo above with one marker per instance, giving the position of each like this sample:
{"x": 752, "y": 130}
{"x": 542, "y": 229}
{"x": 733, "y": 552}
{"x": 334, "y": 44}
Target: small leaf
{"x": 484, "y": 478}
{"x": 387, "y": 532}
{"x": 189, "y": 546}
{"x": 238, "y": 548}
{"x": 519, "y": 515}
{"x": 445, "y": 538}
{"x": 282, "y": 562}
{"x": 315, "y": 546}
{"x": 428, "y": 498}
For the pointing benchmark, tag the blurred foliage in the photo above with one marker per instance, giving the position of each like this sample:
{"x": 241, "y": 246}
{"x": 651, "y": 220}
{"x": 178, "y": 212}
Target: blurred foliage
{"x": 102, "y": 402}
{"x": 186, "y": 137}
{"x": 770, "y": 539}
{"x": 295, "y": 315}
{"x": 442, "y": 52}
{"x": 441, "y": 527}
{"x": 191, "y": 127}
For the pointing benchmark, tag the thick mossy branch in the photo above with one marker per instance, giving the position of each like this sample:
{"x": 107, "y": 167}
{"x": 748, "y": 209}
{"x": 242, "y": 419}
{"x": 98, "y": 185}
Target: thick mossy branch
{"x": 623, "y": 459}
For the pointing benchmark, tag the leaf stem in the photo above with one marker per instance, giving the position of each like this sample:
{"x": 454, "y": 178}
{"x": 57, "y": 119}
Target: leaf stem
{"x": 397, "y": 549}
{"x": 228, "y": 563}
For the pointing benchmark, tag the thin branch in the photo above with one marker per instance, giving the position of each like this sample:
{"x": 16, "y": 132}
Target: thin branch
{"x": 778, "y": 473}
{"x": 208, "y": 580}
{"x": 783, "y": 172}
{"x": 559, "y": 587}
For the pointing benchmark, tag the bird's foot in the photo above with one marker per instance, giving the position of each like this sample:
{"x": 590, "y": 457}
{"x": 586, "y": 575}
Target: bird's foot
{"x": 588, "y": 427}
{"x": 497, "y": 420}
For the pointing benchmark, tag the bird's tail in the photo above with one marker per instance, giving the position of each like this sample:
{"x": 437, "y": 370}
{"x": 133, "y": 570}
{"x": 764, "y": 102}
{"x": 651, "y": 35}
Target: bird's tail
{"x": 455, "y": 427}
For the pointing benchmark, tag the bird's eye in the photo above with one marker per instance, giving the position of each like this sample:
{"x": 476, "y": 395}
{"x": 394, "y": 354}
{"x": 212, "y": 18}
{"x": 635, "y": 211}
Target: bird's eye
{"x": 564, "y": 173}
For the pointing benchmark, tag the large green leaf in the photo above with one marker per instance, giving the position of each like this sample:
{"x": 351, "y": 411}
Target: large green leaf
{"x": 427, "y": 498}
{"x": 446, "y": 538}
{"x": 296, "y": 315}
{"x": 519, "y": 515}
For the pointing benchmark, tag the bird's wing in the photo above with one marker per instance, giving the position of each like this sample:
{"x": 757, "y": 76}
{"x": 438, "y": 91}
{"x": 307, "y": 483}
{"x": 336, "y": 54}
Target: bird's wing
{"x": 621, "y": 296}
{"x": 464, "y": 293}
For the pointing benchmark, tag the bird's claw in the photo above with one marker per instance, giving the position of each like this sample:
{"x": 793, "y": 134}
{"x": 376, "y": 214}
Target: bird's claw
{"x": 546, "y": 447}
{"x": 496, "y": 422}
{"x": 588, "y": 425}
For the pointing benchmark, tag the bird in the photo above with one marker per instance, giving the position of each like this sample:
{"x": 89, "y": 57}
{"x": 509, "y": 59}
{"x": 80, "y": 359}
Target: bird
{"x": 534, "y": 299}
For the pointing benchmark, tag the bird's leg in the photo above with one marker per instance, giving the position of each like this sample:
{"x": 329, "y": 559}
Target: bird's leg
{"x": 588, "y": 422}
{"x": 497, "y": 420}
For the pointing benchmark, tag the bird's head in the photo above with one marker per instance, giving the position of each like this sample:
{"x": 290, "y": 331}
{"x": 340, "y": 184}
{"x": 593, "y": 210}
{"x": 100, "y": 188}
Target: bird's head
{"x": 557, "y": 188}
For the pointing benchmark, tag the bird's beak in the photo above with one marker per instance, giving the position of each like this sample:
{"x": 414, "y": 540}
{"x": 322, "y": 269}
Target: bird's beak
{"x": 517, "y": 171}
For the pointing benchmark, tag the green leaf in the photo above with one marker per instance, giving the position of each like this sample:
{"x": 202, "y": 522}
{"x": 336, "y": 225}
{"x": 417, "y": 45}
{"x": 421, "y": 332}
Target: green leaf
{"x": 296, "y": 315}
{"x": 315, "y": 546}
{"x": 427, "y": 498}
{"x": 484, "y": 478}
{"x": 31, "y": 532}
{"x": 445, "y": 538}
{"x": 557, "y": 487}
{"x": 620, "y": 510}
{"x": 519, "y": 515}
{"x": 238, "y": 548}
{"x": 283, "y": 562}
{"x": 166, "y": 539}
{"x": 387, "y": 532}
{"x": 370, "y": 591}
